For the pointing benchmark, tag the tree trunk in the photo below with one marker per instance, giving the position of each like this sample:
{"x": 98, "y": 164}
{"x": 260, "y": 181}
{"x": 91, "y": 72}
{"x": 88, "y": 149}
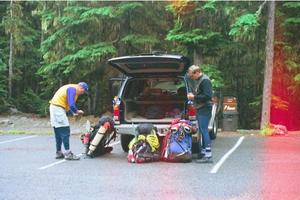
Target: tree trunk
{"x": 96, "y": 99}
{"x": 42, "y": 22}
{"x": 89, "y": 106}
{"x": 198, "y": 60}
{"x": 10, "y": 61}
{"x": 267, "y": 90}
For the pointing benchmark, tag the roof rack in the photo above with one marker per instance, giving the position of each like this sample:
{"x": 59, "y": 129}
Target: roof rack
{"x": 154, "y": 53}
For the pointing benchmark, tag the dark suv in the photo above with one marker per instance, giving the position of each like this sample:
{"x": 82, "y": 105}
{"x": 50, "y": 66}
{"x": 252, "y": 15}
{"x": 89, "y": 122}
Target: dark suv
{"x": 153, "y": 89}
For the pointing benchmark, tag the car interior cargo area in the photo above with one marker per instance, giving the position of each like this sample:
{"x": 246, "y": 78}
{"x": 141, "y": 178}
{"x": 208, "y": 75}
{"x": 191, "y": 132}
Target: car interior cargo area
{"x": 154, "y": 99}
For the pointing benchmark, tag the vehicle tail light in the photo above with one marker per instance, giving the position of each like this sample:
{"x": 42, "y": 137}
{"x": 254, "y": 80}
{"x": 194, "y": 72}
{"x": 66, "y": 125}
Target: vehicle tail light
{"x": 116, "y": 113}
{"x": 191, "y": 111}
{"x": 116, "y": 110}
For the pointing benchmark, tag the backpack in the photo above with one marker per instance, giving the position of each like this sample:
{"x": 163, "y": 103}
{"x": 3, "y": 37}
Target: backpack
{"x": 177, "y": 144}
{"x": 144, "y": 147}
{"x": 102, "y": 146}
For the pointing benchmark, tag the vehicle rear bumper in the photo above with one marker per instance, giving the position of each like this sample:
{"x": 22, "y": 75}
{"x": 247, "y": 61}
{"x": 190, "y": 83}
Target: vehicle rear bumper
{"x": 130, "y": 129}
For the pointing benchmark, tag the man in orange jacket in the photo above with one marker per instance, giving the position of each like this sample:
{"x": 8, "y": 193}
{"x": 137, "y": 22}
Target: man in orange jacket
{"x": 62, "y": 102}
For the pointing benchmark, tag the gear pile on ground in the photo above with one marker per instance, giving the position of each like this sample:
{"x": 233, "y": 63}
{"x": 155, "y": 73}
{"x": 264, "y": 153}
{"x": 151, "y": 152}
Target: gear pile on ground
{"x": 144, "y": 147}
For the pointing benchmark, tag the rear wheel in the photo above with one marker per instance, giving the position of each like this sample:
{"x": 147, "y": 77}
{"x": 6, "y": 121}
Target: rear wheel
{"x": 214, "y": 131}
{"x": 125, "y": 139}
{"x": 195, "y": 147}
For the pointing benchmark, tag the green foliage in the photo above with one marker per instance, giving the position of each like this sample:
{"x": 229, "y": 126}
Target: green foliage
{"x": 297, "y": 77}
{"x": 98, "y": 12}
{"x": 24, "y": 29}
{"x": 214, "y": 74}
{"x": 2, "y": 65}
{"x": 210, "y": 5}
{"x": 129, "y": 6}
{"x": 201, "y": 38}
{"x": 4, "y": 105}
{"x": 256, "y": 103}
{"x": 16, "y": 132}
{"x": 266, "y": 130}
{"x": 170, "y": 8}
{"x": 50, "y": 41}
{"x": 255, "y": 111}
{"x": 195, "y": 37}
{"x": 23, "y": 33}
{"x": 137, "y": 39}
{"x": 3, "y": 80}
{"x": 292, "y": 5}
{"x": 292, "y": 21}
{"x": 89, "y": 54}
{"x": 75, "y": 9}
{"x": 144, "y": 27}
{"x": 32, "y": 103}
{"x": 3, "y": 94}
{"x": 59, "y": 42}
{"x": 244, "y": 27}
{"x": 291, "y": 64}
{"x": 290, "y": 12}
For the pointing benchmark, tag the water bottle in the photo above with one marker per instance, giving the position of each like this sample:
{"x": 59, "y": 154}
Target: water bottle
{"x": 86, "y": 141}
{"x": 130, "y": 156}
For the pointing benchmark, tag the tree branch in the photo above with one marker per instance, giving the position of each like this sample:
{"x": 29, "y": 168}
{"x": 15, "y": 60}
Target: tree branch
{"x": 258, "y": 12}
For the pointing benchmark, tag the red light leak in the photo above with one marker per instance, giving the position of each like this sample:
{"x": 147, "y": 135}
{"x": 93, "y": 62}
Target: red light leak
{"x": 285, "y": 104}
{"x": 281, "y": 168}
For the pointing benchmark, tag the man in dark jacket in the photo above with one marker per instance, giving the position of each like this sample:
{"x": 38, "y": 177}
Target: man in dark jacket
{"x": 200, "y": 91}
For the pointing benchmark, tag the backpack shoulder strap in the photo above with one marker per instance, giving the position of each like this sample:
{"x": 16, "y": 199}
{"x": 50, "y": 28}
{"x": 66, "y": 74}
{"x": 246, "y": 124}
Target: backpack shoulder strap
{"x": 203, "y": 77}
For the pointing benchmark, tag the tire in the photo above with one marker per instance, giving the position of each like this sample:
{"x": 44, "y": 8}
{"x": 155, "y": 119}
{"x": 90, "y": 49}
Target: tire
{"x": 213, "y": 133}
{"x": 195, "y": 147}
{"x": 125, "y": 139}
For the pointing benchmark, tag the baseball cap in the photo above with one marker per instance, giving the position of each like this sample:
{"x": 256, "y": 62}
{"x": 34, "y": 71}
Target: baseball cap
{"x": 85, "y": 86}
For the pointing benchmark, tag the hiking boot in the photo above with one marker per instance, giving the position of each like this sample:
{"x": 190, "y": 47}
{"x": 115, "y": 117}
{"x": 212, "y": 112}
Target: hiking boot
{"x": 201, "y": 154}
{"x": 59, "y": 155}
{"x": 71, "y": 156}
{"x": 205, "y": 159}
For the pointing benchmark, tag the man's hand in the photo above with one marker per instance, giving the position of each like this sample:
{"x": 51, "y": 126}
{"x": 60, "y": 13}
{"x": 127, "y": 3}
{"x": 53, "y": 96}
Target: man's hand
{"x": 79, "y": 112}
{"x": 190, "y": 96}
{"x": 78, "y": 115}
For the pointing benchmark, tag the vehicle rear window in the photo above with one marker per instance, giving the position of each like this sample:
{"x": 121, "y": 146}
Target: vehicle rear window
{"x": 149, "y": 87}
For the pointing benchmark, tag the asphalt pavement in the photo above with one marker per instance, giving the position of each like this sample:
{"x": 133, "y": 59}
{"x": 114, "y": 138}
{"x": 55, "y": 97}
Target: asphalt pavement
{"x": 243, "y": 168}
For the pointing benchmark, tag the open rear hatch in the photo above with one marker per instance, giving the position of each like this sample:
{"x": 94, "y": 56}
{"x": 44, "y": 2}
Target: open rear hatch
{"x": 151, "y": 64}
{"x": 154, "y": 99}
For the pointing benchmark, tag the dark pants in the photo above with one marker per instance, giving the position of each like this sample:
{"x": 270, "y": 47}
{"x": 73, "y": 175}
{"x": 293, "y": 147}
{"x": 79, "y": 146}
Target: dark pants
{"x": 62, "y": 136}
{"x": 203, "y": 117}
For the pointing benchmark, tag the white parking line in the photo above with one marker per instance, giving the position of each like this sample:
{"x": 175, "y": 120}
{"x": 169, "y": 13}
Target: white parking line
{"x": 56, "y": 163}
{"x": 222, "y": 160}
{"x": 18, "y": 139}
{"x": 62, "y": 161}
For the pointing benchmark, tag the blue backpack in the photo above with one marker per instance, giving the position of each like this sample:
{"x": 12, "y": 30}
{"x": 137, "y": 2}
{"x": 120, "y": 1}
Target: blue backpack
{"x": 177, "y": 144}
